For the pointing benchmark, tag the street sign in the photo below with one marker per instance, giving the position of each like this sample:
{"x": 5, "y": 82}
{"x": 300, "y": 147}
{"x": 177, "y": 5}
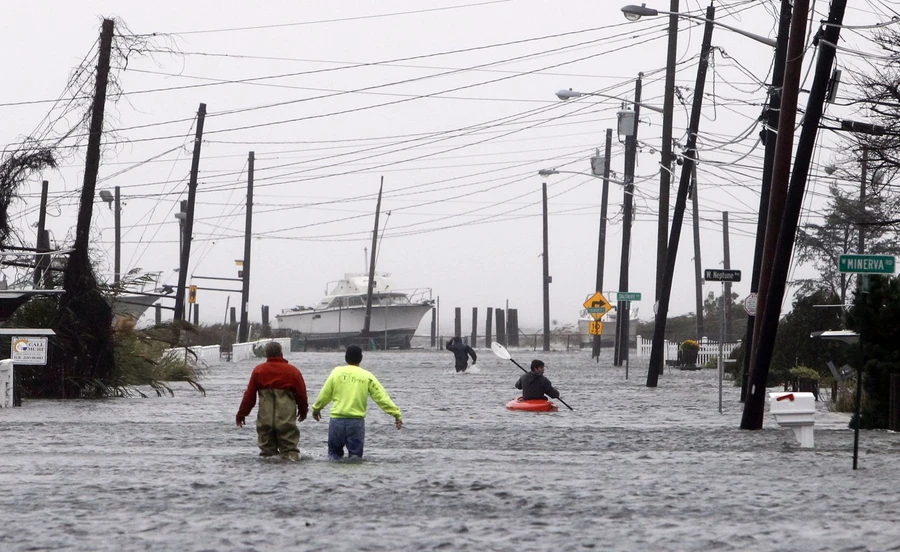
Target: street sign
{"x": 866, "y": 264}
{"x": 721, "y": 275}
{"x": 596, "y": 327}
{"x": 628, "y": 296}
{"x": 29, "y": 350}
{"x": 750, "y": 304}
{"x": 597, "y": 306}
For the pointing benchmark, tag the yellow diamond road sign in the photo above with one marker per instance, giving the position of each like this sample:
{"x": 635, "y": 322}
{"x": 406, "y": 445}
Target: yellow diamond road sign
{"x": 597, "y": 306}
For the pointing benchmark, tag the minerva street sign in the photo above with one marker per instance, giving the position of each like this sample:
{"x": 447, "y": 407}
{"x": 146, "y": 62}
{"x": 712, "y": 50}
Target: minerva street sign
{"x": 866, "y": 264}
{"x": 721, "y": 275}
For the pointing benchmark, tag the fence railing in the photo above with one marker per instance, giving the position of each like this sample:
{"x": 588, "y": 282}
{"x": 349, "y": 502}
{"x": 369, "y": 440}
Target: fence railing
{"x": 708, "y": 349}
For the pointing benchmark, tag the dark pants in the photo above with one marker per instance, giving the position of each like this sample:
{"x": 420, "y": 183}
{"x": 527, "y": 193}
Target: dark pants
{"x": 349, "y": 432}
{"x": 276, "y": 424}
{"x": 462, "y": 368}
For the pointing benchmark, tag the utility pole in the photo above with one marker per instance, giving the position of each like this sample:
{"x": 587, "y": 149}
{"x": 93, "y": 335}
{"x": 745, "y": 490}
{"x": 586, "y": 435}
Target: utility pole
{"x": 42, "y": 261}
{"x": 698, "y": 261}
{"x": 690, "y": 156}
{"x": 86, "y": 317}
{"x": 547, "y": 278}
{"x": 726, "y": 286}
{"x": 245, "y": 269}
{"x": 665, "y": 175}
{"x": 769, "y": 137}
{"x": 601, "y": 242}
{"x": 622, "y": 325}
{"x": 862, "y": 203}
{"x": 754, "y": 408}
{"x": 368, "y": 320}
{"x": 189, "y": 217}
{"x": 117, "y": 262}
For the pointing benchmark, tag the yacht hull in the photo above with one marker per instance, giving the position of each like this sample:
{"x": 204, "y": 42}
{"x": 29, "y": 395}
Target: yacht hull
{"x": 390, "y": 327}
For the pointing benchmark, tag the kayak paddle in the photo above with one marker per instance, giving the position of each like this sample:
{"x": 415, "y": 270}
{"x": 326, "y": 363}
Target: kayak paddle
{"x": 501, "y": 352}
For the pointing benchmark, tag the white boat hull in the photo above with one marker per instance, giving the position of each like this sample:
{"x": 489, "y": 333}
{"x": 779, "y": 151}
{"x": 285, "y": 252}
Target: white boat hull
{"x": 395, "y": 324}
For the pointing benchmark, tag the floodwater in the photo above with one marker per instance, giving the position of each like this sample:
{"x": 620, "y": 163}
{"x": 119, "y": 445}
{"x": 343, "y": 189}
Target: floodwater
{"x": 631, "y": 468}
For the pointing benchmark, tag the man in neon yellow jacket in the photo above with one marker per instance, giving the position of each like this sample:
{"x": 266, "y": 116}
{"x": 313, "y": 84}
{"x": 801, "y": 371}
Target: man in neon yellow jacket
{"x": 350, "y": 387}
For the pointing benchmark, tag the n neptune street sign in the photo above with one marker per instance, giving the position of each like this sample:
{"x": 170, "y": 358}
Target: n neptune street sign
{"x": 721, "y": 275}
{"x": 866, "y": 264}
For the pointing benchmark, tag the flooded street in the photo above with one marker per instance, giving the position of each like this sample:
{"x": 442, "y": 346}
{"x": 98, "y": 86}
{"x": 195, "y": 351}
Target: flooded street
{"x": 631, "y": 468}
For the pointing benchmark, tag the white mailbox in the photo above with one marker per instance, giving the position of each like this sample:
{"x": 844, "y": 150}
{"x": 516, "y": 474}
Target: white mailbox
{"x": 796, "y": 411}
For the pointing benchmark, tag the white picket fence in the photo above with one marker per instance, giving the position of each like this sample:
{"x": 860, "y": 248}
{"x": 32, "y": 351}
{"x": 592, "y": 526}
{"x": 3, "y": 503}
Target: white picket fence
{"x": 708, "y": 349}
{"x": 206, "y": 354}
{"x": 243, "y": 351}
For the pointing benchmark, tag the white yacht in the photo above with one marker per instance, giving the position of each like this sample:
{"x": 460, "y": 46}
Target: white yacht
{"x": 339, "y": 318}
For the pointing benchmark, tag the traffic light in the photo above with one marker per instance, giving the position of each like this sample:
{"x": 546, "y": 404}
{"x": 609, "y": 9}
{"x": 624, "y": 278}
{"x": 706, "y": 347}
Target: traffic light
{"x": 192, "y": 294}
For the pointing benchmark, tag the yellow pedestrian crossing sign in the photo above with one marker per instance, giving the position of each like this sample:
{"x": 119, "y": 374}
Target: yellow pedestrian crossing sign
{"x": 597, "y": 306}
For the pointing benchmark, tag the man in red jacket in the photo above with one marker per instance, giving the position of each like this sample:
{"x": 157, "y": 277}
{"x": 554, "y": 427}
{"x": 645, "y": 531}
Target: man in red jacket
{"x": 282, "y": 398}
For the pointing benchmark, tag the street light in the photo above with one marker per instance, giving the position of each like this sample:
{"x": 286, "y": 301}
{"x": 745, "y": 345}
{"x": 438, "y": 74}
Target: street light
{"x": 570, "y": 94}
{"x": 549, "y": 172}
{"x": 633, "y": 13}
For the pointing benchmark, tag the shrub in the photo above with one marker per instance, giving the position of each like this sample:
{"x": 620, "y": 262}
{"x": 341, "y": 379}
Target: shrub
{"x": 803, "y": 372}
{"x": 690, "y": 345}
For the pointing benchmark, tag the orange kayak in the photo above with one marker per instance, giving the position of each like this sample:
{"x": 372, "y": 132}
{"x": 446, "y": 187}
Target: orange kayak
{"x": 536, "y": 405}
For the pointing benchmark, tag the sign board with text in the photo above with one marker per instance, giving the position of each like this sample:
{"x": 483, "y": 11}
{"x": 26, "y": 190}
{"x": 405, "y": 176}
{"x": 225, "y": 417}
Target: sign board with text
{"x": 596, "y": 328}
{"x": 28, "y": 350}
{"x": 628, "y": 296}
{"x": 597, "y": 306}
{"x": 866, "y": 264}
{"x": 721, "y": 275}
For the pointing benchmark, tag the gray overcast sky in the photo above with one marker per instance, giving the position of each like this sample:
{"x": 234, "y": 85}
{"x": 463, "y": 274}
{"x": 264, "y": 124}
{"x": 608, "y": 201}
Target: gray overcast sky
{"x": 452, "y": 104}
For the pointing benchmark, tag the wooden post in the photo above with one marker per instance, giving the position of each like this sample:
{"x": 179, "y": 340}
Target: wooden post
{"x": 196, "y": 314}
{"x": 117, "y": 254}
{"x": 158, "y": 314}
{"x": 474, "y": 342}
{"x": 457, "y": 322}
{"x": 433, "y": 327}
{"x": 487, "y": 327}
{"x": 501, "y": 327}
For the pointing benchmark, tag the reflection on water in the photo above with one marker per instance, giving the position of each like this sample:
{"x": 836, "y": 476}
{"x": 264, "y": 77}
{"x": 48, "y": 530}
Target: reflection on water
{"x": 631, "y": 468}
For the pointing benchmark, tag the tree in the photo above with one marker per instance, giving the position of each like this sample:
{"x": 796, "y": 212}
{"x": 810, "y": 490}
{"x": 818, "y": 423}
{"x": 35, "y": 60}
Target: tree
{"x": 821, "y": 244}
{"x": 876, "y": 316}
{"x": 793, "y": 344}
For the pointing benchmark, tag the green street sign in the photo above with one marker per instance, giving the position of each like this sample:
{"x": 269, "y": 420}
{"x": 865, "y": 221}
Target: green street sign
{"x": 866, "y": 264}
{"x": 628, "y": 296}
{"x": 596, "y": 310}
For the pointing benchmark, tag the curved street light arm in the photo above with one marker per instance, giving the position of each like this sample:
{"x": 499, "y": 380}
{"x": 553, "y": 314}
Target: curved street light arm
{"x": 633, "y": 13}
{"x": 569, "y": 94}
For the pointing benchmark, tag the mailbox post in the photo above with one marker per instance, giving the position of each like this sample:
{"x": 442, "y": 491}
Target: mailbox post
{"x": 848, "y": 336}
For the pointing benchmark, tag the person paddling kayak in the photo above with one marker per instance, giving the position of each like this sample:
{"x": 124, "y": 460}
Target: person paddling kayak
{"x": 534, "y": 385}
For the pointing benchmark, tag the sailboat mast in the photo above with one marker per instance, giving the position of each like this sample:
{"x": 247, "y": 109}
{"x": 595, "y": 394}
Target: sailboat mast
{"x": 368, "y": 320}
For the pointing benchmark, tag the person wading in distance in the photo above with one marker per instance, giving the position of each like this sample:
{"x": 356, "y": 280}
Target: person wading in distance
{"x": 461, "y": 353}
{"x": 350, "y": 387}
{"x": 282, "y": 401}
